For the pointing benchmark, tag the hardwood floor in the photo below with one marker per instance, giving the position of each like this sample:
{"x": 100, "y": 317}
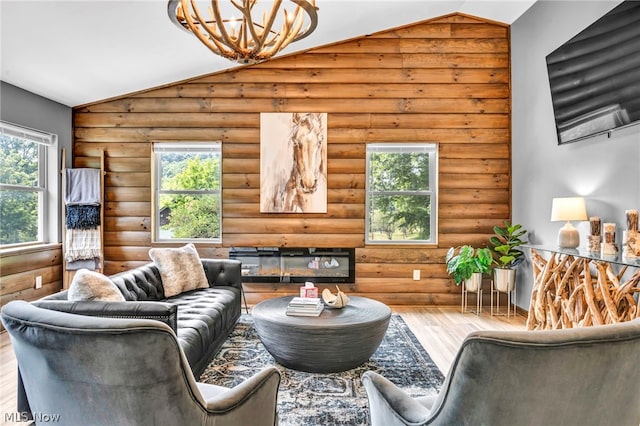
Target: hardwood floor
{"x": 440, "y": 330}
{"x": 8, "y": 379}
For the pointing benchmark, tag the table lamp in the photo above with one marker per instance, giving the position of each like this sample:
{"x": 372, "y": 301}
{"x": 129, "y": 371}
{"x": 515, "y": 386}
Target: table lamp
{"x": 568, "y": 208}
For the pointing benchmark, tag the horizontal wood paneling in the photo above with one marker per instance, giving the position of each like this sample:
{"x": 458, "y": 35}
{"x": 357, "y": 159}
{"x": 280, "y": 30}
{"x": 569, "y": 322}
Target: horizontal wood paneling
{"x": 445, "y": 81}
{"x": 20, "y": 267}
{"x": 324, "y": 91}
{"x": 411, "y": 45}
{"x": 336, "y": 135}
{"x": 393, "y": 60}
{"x": 332, "y": 105}
{"x": 370, "y": 75}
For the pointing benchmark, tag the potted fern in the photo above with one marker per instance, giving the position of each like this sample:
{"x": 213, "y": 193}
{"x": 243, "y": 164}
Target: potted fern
{"x": 504, "y": 245}
{"x": 468, "y": 265}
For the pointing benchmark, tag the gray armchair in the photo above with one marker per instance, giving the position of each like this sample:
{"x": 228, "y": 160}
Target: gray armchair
{"x": 586, "y": 376}
{"x": 103, "y": 371}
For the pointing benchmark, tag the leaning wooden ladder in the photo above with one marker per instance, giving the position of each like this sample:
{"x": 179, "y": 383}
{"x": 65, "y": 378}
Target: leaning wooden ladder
{"x": 67, "y": 275}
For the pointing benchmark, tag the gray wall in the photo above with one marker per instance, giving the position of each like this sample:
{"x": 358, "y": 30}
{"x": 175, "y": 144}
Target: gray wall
{"x": 21, "y": 107}
{"x": 605, "y": 170}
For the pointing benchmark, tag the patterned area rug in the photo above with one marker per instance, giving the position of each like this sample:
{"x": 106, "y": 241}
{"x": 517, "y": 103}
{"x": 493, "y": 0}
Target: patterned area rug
{"x": 306, "y": 399}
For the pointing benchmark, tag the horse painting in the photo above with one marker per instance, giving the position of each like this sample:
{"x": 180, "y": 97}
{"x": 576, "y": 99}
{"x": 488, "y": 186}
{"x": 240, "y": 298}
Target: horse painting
{"x": 293, "y": 158}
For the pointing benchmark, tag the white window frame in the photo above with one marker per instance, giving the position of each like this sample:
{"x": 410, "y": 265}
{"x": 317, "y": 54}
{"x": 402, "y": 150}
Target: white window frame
{"x": 182, "y": 147}
{"x": 424, "y": 147}
{"x": 48, "y": 179}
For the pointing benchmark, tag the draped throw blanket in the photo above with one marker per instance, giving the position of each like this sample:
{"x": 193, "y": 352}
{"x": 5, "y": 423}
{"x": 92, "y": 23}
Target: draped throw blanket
{"x": 82, "y": 216}
{"x": 82, "y": 186}
{"x": 82, "y": 244}
{"x": 90, "y": 264}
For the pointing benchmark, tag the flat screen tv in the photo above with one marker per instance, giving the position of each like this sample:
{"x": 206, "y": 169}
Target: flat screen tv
{"x": 595, "y": 76}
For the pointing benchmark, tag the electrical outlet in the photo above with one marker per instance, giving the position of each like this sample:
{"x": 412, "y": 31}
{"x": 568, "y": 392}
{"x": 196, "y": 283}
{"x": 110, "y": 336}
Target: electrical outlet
{"x": 38, "y": 282}
{"x": 416, "y": 274}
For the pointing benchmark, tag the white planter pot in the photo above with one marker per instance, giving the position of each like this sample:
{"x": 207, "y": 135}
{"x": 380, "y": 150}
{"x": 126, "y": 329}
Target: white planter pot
{"x": 474, "y": 284}
{"x": 504, "y": 279}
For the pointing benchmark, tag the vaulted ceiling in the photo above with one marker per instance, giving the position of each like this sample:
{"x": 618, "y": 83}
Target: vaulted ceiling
{"x": 81, "y": 51}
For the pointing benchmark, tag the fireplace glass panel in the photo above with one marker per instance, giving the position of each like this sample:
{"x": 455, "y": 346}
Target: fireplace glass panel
{"x": 296, "y": 265}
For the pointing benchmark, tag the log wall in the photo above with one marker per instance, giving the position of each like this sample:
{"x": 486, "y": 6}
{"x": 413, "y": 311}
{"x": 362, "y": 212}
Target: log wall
{"x": 445, "y": 80}
{"x": 19, "y": 269}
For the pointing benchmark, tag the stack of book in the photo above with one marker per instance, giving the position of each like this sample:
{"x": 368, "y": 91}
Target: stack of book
{"x": 305, "y": 306}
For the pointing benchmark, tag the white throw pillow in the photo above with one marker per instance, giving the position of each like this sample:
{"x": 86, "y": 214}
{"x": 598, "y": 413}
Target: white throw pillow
{"x": 180, "y": 269}
{"x": 93, "y": 286}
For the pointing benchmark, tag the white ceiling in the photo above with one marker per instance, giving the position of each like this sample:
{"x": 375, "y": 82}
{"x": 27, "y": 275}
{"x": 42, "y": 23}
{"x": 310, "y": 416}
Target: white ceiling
{"x": 81, "y": 51}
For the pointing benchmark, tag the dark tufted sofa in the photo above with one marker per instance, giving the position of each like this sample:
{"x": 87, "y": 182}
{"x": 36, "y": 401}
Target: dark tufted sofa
{"x": 202, "y": 319}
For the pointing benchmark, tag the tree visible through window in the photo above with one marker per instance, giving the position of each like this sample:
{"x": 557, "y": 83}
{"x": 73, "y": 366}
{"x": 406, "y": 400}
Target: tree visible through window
{"x": 401, "y": 193}
{"x": 188, "y": 191}
{"x": 23, "y": 184}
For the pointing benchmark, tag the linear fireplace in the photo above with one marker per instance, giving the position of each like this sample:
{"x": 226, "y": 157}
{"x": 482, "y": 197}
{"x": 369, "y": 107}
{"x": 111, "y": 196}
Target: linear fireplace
{"x": 295, "y": 265}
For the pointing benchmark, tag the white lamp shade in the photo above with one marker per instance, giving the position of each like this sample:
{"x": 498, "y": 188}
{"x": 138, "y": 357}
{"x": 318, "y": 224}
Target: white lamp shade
{"x": 568, "y": 208}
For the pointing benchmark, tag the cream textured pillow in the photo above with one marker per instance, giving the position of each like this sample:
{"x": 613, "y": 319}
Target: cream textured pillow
{"x": 180, "y": 269}
{"x": 93, "y": 286}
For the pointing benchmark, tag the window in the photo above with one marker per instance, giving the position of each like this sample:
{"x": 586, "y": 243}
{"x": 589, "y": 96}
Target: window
{"x": 25, "y": 209}
{"x": 401, "y": 193}
{"x": 187, "y": 192}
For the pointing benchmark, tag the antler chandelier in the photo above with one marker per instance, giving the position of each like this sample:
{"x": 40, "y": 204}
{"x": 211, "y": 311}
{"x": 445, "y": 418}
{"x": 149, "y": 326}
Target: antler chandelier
{"x": 246, "y": 39}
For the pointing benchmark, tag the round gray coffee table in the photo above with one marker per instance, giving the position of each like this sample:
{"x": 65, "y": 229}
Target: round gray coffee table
{"x": 337, "y": 340}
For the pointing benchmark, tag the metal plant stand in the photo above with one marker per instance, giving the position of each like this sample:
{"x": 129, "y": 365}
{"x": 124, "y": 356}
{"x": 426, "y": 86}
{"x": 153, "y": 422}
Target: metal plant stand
{"x": 511, "y": 301}
{"x": 465, "y": 295}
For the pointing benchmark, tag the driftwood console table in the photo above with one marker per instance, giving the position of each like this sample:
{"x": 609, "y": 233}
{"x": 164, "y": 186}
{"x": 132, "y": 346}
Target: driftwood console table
{"x": 576, "y": 288}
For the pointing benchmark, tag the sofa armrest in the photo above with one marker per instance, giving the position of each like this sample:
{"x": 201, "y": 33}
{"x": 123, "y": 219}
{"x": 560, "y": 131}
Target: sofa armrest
{"x": 223, "y": 272}
{"x": 159, "y": 311}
